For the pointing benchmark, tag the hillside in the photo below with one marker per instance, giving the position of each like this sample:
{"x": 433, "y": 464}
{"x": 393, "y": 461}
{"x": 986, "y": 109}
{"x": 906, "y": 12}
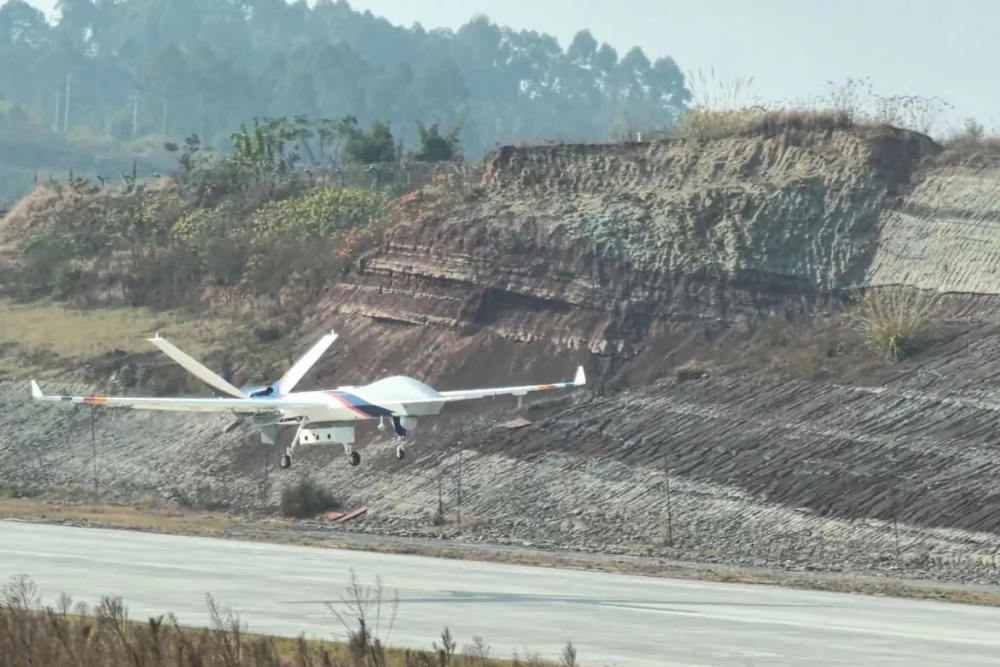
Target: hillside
{"x": 705, "y": 284}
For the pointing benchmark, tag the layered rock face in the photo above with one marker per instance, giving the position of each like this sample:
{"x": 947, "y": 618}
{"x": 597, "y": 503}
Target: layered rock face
{"x": 634, "y": 260}
{"x": 630, "y": 253}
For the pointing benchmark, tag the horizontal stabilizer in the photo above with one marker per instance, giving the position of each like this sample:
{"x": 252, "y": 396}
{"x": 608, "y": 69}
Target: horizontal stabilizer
{"x": 196, "y": 368}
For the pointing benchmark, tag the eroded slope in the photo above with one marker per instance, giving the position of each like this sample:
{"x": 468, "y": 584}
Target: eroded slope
{"x": 790, "y": 444}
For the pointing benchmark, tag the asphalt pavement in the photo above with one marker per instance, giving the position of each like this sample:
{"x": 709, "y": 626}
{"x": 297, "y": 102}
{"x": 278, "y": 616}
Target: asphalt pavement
{"x": 612, "y": 619}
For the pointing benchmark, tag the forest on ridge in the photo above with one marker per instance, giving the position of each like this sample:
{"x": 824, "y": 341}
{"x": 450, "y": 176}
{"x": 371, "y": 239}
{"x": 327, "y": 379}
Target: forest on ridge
{"x": 113, "y": 80}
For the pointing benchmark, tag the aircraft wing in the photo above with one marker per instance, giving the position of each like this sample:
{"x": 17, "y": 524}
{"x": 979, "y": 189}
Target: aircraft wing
{"x": 463, "y": 394}
{"x": 244, "y": 405}
{"x": 467, "y": 394}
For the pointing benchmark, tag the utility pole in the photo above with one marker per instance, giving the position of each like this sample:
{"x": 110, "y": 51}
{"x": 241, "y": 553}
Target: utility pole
{"x": 55, "y": 117}
{"x": 135, "y": 111}
{"x": 459, "y": 482}
{"x": 440, "y": 511}
{"x": 201, "y": 112}
{"x": 93, "y": 448}
{"x": 66, "y": 107}
{"x": 895, "y": 518}
{"x": 666, "y": 480}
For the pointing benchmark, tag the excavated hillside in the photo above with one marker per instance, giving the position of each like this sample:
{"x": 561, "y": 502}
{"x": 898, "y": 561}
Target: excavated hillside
{"x": 703, "y": 284}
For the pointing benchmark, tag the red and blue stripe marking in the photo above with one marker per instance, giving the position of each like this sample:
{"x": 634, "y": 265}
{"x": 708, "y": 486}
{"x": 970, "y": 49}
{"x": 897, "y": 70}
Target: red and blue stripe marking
{"x": 359, "y": 405}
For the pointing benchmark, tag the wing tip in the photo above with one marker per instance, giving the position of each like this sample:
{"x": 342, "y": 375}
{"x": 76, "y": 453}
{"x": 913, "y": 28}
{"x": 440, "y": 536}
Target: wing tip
{"x": 581, "y": 377}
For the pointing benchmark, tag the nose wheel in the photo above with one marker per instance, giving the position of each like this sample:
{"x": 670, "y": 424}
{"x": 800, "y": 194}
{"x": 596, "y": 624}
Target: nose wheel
{"x": 354, "y": 458}
{"x": 285, "y": 461}
{"x": 400, "y": 453}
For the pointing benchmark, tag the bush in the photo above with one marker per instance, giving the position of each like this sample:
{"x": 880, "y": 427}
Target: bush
{"x": 305, "y": 499}
{"x": 894, "y": 320}
{"x": 318, "y": 213}
{"x": 692, "y": 370}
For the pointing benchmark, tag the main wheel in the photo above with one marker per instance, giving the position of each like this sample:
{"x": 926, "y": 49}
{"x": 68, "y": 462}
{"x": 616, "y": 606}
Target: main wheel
{"x": 285, "y": 461}
{"x": 400, "y": 453}
{"x": 354, "y": 459}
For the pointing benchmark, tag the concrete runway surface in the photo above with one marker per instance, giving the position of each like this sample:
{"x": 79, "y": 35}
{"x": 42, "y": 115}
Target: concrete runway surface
{"x": 612, "y": 619}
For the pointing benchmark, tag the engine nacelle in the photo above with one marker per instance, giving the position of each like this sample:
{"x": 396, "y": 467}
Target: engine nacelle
{"x": 334, "y": 435}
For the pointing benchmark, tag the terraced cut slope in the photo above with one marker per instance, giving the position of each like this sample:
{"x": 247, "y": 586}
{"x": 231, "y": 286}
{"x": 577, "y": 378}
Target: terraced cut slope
{"x": 703, "y": 283}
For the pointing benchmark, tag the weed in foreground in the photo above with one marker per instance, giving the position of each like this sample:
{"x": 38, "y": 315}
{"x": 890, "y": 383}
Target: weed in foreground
{"x": 65, "y": 635}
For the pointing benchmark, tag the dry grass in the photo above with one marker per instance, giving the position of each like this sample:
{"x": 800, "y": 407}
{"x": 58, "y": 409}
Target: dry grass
{"x": 37, "y": 336}
{"x": 721, "y": 109}
{"x": 731, "y": 108}
{"x": 691, "y": 370}
{"x": 65, "y": 635}
{"x": 133, "y": 517}
{"x": 26, "y": 212}
{"x": 894, "y": 320}
{"x": 972, "y": 151}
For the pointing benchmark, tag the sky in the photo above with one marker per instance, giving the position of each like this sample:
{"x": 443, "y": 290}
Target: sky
{"x": 791, "y": 48}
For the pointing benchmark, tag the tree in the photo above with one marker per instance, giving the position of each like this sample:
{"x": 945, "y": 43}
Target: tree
{"x": 205, "y": 66}
{"x": 369, "y": 147}
{"x": 437, "y": 148}
{"x": 582, "y": 49}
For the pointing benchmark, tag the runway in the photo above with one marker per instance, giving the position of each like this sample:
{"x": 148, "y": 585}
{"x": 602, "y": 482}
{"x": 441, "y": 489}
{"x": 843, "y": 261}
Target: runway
{"x": 612, "y": 619}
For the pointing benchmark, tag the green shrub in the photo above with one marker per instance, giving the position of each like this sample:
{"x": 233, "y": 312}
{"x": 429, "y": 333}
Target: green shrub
{"x": 318, "y": 213}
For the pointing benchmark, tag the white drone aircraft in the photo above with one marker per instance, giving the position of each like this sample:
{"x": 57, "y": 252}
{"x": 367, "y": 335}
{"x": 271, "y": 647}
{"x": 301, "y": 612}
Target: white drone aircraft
{"x": 401, "y": 399}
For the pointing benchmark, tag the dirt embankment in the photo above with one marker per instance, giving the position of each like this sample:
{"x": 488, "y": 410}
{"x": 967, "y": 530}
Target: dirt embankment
{"x": 786, "y": 443}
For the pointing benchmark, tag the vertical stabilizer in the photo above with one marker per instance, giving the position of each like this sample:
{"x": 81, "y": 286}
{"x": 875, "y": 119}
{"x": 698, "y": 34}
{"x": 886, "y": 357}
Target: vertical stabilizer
{"x": 195, "y": 367}
{"x": 302, "y": 366}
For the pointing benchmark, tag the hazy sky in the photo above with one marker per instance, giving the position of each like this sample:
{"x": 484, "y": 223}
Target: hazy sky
{"x": 944, "y": 48}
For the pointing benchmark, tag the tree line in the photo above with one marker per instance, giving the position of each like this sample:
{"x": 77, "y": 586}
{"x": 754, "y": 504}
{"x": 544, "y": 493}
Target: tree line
{"x": 116, "y": 72}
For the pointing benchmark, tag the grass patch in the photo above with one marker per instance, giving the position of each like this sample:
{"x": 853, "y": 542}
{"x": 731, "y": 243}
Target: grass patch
{"x": 42, "y": 335}
{"x": 67, "y": 635}
{"x": 970, "y": 150}
{"x": 894, "y": 320}
{"x": 758, "y": 121}
{"x": 133, "y": 517}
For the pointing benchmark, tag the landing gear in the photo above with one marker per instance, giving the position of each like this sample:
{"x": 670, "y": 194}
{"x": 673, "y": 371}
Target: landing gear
{"x": 286, "y": 459}
{"x": 354, "y": 458}
{"x": 400, "y": 453}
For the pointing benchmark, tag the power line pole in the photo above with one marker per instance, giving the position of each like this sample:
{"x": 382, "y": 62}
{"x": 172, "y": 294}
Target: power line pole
{"x": 135, "y": 111}
{"x": 666, "y": 480}
{"x": 459, "y": 482}
{"x": 66, "y": 108}
{"x": 93, "y": 447}
{"x": 55, "y": 116}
